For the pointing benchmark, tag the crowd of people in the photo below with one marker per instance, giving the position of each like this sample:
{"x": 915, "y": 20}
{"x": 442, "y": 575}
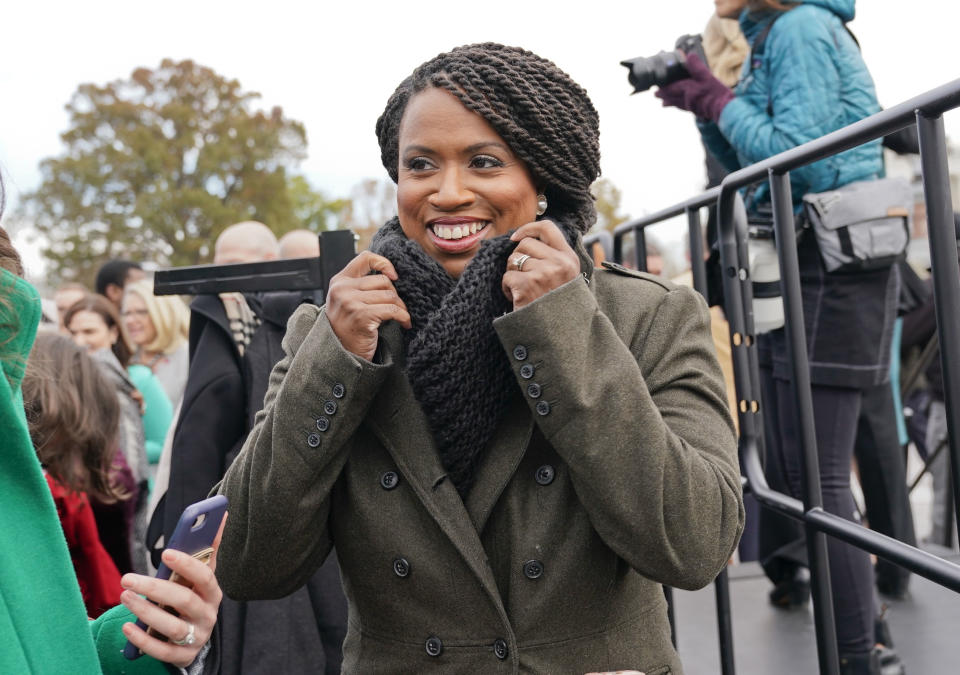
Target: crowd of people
{"x": 458, "y": 418}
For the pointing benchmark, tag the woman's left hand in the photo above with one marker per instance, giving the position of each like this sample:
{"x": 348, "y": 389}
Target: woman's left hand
{"x": 197, "y": 605}
{"x": 542, "y": 261}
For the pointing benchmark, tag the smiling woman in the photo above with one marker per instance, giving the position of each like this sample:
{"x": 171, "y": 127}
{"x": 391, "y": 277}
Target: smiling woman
{"x": 462, "y": 420}
{"x": 157, "y": 326}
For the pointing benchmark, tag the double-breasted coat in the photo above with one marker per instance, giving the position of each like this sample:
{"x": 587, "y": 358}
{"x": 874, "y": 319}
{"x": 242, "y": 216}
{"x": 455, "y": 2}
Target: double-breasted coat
{"x": 613, "y": 471}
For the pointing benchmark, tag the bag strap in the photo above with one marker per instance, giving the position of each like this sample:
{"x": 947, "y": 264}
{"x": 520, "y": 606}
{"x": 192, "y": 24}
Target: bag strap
{"x": 760, "y": 44}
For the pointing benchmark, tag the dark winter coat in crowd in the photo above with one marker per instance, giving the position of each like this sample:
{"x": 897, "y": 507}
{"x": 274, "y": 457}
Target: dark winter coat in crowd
{"x": 302, "y": 632}
{"x": 613, "y": 470}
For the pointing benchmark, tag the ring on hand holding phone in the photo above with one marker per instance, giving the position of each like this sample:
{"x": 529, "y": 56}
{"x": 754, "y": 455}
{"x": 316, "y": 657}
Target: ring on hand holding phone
{"x": 188, "y": 639}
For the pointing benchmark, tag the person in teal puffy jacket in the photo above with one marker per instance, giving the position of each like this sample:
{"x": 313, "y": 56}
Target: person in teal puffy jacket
{"x": 805, "y": 78}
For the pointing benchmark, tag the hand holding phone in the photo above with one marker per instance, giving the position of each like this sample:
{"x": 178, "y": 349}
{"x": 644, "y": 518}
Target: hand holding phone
{"x": 182, "y": 600}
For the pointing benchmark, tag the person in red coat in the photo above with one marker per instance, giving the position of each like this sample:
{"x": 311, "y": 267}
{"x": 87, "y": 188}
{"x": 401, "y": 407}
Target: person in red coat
{"x": 72, "y": 413}
{"x": 97, "y": 574}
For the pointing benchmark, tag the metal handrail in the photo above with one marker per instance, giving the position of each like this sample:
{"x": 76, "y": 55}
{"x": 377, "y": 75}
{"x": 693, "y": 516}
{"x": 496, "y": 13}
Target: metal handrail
{"x": 925, "y": 110}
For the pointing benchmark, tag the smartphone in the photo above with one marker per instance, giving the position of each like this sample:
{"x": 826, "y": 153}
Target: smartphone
{"x": 194, "y": 535}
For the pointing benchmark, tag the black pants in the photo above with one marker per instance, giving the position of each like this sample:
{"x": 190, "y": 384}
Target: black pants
{"x": 883, "y": 479}
{"x": 835, "y": 411}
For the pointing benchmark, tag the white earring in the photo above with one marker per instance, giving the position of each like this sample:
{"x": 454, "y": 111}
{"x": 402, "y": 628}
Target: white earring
{"x": 541, "y": 204}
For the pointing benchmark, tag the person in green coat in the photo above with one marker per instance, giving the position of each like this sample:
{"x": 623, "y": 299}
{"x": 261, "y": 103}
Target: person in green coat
{"x": 43, "y": 623}
{"x": 510, "y": 450}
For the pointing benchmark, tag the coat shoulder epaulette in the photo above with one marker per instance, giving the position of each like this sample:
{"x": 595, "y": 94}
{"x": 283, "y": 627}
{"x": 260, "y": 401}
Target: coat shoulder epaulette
{"x": 617, "y": 268}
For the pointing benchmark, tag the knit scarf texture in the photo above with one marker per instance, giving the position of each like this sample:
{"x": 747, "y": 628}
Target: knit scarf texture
{"x": 457, "y": 368}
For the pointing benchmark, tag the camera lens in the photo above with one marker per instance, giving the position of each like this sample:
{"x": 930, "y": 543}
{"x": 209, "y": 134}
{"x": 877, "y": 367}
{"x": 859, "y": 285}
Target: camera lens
{"x": 660, "y": 70}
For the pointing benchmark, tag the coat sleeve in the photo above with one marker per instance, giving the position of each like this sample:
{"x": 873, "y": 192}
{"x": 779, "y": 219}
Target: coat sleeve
{"x": 717, "y": 145}
{"x": 279, "y": 485}
{"x": 639, "y": 414}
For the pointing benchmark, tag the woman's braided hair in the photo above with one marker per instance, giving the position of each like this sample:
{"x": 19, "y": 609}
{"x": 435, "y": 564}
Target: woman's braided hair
{"x": 545, "y": 117}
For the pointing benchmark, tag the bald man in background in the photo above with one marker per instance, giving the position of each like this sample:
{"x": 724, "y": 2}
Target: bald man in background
{"x": 234, "y": 344}
{"x": 249, "y": 241}
{"x": 300, "y": 244}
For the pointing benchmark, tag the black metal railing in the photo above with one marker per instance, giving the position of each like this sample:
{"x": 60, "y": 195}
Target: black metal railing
{"x": 926, "y": 112}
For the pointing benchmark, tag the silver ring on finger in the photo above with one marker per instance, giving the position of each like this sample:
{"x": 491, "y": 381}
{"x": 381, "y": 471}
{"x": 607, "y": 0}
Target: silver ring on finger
{"x": 187, "y": 639}
{"x": 520, "y": 260}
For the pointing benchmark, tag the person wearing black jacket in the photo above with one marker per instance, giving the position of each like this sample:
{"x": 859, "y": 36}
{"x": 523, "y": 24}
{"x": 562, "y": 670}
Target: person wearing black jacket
{"x": 302, "y": 632}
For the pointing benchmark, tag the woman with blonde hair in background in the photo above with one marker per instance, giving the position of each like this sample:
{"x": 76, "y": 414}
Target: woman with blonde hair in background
{"x": 157, "y": 328}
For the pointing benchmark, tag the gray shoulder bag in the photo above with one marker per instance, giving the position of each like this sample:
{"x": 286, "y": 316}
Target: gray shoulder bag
{"x": 863, "y": 225}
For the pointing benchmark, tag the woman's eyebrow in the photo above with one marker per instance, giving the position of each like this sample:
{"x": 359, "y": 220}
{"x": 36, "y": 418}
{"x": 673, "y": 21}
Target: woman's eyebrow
{"x": 476, "y": 147}
{"x": 487, "y": 144}
{"x": 417, "y": 148}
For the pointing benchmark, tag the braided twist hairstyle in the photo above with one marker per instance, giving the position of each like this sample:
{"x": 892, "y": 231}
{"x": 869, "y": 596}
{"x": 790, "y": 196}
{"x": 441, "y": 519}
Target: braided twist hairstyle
{"x": 545, "y": 117}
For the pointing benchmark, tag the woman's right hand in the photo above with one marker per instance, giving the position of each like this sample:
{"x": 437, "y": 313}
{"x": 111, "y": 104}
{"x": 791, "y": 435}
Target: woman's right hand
{"x": 358, "y": 302}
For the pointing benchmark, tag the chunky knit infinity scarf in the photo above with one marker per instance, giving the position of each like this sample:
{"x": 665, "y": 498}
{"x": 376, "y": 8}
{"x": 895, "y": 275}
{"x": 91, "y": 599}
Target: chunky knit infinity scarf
{"x": 456, "y": 365}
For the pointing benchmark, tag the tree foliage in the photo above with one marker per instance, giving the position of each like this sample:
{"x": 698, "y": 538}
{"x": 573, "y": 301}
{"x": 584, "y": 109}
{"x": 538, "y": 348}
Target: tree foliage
{"x": 312, "y": 209}
{"x": 156, "y": 165}
{"x": 372, "y": 203}
{"x": 608, "y": 197}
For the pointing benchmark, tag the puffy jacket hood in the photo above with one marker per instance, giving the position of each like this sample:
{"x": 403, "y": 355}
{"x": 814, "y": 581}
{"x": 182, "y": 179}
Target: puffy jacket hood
{"x": 752, "y": 23}
{"x": 845, "y": 9}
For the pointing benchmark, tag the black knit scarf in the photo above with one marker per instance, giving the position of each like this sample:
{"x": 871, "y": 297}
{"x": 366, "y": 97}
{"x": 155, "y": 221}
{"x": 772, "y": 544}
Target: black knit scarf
{"x": 456, "y": 365}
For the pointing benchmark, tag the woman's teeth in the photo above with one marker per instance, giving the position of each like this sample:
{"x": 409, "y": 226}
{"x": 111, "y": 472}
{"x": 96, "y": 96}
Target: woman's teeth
{"x": 458, "y": 231}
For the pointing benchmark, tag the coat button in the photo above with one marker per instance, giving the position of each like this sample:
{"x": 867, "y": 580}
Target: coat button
{"x": 401, "y": 567}
{"x": 434, "y": 646}
{"x": 339, "y": 390}
{"x": 526, "y": 372}
{"x": 543, "y": 408}
{"x": 313, "y": 440}
{"x": 500, "y": 648}
{"x": 545, "y": 474}
{"x": 389, "y": 480}
{"x": 533, "y": 390}
{"x": 330, "y": 407}
{"x": 533, "y": 569}
{"x": 323, "y": 423}
{"x": 520, "y": 353}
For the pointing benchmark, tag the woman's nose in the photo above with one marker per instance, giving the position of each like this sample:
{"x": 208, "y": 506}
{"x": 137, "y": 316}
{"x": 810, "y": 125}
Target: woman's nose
{"x": 451, "y": 191}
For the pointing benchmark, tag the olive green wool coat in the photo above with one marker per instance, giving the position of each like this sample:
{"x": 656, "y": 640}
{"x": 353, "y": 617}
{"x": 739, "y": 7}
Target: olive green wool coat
{"x": 616, "y": 473}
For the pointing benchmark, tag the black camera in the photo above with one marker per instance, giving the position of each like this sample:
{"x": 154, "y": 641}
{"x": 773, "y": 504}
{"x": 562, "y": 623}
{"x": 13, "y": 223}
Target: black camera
{"x": 665, "y": 67}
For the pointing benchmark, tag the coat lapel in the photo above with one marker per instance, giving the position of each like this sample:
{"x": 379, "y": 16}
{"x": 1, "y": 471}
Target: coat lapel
{"x": 399, "y": 423}
{"x": 501, "y": 460}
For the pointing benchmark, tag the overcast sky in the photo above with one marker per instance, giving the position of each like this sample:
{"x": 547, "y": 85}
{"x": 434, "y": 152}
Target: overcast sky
{"x": 333, "y": 66}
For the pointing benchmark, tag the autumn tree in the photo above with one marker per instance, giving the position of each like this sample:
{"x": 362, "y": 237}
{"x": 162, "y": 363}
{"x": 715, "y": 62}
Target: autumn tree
{"x": 607, "y": 198}
{"x": 156, "y": 165}
{"x": 372, "y": 203}
{"x": 312, "y": 209}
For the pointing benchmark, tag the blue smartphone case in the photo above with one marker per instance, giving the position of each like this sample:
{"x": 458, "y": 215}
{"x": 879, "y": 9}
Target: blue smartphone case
{"x": 193, "y": 535}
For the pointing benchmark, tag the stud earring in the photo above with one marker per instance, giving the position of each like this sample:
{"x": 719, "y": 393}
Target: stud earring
{"x": 541, "y": 204}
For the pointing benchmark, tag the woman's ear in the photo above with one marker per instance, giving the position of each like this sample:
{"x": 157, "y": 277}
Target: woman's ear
{"x": 114, "y": 335}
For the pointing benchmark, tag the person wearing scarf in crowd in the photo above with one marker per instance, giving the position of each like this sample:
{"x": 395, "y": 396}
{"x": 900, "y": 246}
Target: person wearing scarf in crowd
{"x": 510, "y": 449}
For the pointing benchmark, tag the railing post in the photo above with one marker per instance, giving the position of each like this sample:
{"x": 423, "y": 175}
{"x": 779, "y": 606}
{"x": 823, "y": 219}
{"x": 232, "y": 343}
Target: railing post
{"x": 721, "y": 587}
{"x": 640, "y": 249}
{"x": 941, "y": 232}
{"x": 697, "y": 263}
{"x": 782, "y": 199}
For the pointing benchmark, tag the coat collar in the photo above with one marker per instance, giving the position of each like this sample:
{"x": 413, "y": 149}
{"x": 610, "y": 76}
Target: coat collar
{"x": 399, "y": 423}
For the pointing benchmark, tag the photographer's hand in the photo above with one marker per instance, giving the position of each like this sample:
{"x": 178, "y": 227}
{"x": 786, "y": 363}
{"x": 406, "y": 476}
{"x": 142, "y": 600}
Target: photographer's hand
{"x": 701, "y": 93}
